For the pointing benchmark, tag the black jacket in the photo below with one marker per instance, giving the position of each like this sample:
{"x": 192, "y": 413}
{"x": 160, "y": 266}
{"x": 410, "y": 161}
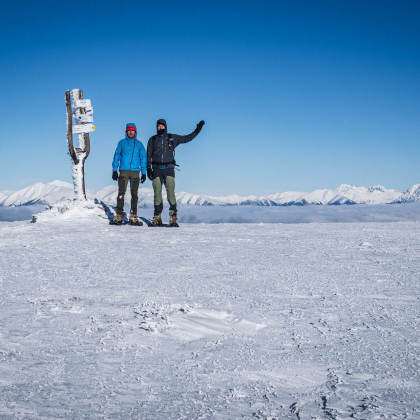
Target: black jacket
{"x": 161, "y": 147}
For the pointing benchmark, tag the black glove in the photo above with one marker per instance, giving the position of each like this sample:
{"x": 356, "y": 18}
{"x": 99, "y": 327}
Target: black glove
{"x": 115, "y": 176}
{"x": 143, "y": 178}
{"x": 150, "y": 174}
{"x": 199, "y": 126}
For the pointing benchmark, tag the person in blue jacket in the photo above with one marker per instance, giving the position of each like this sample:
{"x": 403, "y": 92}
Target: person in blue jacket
{"x": 131, "y": 158}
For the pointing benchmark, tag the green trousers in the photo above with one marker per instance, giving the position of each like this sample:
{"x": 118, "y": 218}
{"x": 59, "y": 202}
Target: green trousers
{"x": 164, "y": 177}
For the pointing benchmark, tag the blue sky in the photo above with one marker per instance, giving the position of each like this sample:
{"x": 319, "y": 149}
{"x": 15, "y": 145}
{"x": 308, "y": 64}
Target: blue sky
{"x": 296, "y": 95}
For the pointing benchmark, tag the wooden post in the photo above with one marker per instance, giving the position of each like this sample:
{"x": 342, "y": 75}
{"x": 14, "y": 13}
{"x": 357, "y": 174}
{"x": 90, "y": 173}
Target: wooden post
{"x": 72, "y": 152}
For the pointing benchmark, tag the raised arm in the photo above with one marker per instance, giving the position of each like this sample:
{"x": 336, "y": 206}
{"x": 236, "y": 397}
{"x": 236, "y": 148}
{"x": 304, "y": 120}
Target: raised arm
{"x": 185, "y": 139}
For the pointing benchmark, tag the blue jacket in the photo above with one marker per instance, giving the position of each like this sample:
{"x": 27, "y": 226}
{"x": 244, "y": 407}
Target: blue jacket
{"x": 130, "y": 156}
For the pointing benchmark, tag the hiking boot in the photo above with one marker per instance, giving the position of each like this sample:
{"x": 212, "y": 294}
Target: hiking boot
{"x": 135, "y": 220}
{"x": 173, "y": 220}
{"x": 157, "y": 221}
{"x": 118, "y": 219}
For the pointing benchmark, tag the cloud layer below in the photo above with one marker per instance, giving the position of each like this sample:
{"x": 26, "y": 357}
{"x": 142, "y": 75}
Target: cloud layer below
{"x": 14, "y": 214}
{"x": 304, "y": 214}
{"x": 409, "y": 212}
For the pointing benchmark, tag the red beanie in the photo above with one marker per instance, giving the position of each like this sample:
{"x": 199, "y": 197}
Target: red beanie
{"x": 131, "y": 128}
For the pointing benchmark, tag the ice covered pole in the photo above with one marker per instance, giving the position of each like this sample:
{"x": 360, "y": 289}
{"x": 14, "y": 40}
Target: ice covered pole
{"x": 82, "y": 113}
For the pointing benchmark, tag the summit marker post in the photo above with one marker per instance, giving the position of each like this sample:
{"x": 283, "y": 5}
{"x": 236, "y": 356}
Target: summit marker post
{"x": 81, "y": 110}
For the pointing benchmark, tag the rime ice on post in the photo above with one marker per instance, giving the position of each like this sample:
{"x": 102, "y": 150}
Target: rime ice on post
{"x": 82, "y": 113}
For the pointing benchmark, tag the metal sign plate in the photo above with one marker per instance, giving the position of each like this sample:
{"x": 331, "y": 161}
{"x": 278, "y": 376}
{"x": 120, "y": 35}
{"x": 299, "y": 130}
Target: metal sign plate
{"x": 84, "y": 118}
{"x": 81, "y": 103}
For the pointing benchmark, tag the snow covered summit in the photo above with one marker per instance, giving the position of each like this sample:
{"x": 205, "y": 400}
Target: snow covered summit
{"x": 40, "y": 193}
{"x": 412, "y": 194}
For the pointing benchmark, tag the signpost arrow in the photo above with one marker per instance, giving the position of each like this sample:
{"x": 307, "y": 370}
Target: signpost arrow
{"x": 83, "y": 128}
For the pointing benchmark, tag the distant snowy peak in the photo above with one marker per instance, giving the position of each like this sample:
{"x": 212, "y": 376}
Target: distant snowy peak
{"x": 194, "y": 199}
{"x": 230, "y": 200}
{"x": 379, "y": 188}
{"x": 349, "y": 194}
{"x": 412, "y": 194}
{"x": 344, "y": 194}
{"x": 345, "y": 188}
{"x": 40, "y": 193}
{"x": 317, "y": 197}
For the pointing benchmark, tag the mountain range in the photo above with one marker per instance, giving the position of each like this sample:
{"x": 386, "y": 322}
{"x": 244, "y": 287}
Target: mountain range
{"x": 52, "y": 192}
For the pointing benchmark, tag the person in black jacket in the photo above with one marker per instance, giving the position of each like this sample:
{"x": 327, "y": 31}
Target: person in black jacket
{"x": 161, "y": 167}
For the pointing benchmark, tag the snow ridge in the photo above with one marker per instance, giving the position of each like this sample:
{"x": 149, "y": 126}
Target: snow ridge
{"x": 40, "y": 193}
{"x": 412, "y": 194}
{"x": 345, "y": 194}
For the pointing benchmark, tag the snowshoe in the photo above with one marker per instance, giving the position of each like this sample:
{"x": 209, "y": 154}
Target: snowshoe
{"x": 173, "y": 221}
{"x": 118, "y": 220}
{"x": 153, "y": 223}
{"x": 134, "y": 220}
{"x": 157, "y": 221}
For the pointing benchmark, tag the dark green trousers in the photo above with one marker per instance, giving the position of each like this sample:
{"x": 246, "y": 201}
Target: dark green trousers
{"x": 164, "y": 177}
{"x": 134, "y": 178}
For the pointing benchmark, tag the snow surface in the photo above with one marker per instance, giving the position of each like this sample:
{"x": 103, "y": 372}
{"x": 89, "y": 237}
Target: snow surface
{"x": 303, "y": 321}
